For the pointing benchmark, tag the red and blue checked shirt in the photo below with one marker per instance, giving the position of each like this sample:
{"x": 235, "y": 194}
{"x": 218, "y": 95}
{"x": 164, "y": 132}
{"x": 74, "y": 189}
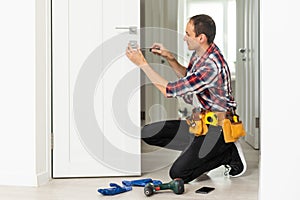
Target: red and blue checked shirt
{"x": 209, "y": 78}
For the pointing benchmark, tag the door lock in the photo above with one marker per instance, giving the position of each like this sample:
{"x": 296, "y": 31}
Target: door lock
{"x": 242, "y": 50}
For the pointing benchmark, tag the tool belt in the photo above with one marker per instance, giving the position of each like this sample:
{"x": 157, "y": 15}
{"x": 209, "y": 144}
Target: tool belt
{"x": 232, "y": 127}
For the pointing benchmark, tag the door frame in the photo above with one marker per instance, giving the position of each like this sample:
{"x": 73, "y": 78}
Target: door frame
{"x": 43, "y": 127}
{"x": 247, "y": 70}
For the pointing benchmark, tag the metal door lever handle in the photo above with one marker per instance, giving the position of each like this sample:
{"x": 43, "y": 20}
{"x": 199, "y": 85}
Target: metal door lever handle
{"x": 132, "y": 29}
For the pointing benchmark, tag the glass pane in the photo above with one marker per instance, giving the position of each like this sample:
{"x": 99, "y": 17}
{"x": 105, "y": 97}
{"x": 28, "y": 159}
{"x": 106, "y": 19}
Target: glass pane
{"x": 213, "y": 9}
{"x": 224, "y": 14}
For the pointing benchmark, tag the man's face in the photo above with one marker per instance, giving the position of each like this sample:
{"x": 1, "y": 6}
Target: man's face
{"x": 190, "y": 37}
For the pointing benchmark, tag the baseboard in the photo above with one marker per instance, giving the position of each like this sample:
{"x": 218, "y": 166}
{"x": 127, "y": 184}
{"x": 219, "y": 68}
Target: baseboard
{"x": 15, "y": 178}
{"x": 43, "y": 178}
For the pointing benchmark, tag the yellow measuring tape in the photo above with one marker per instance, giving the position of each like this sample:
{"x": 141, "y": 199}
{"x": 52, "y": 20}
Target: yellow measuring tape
{"x": 211, "y": 118}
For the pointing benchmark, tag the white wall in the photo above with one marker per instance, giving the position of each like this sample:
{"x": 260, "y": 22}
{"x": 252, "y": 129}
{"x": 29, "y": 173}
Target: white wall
{"x": 280, "y": 98}
{"x": 23, "y": 122}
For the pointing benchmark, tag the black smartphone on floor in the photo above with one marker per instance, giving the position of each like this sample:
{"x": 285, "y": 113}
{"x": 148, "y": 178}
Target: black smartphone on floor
{"x": 204, "y": 190}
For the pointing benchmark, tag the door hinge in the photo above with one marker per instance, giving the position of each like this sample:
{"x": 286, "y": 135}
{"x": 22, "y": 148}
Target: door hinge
{"x": 257, "y": 122}
{"x": 143, "y": 115}
{"x": 52, "y": 141}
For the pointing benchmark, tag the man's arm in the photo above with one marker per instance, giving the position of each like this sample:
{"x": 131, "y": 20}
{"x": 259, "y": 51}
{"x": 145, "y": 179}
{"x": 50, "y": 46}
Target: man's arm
{"x": 159, "y": 49}
{"x": 178, "y": 68}
{"x": 159, "y": 82}
{"x": 138, "y": 59}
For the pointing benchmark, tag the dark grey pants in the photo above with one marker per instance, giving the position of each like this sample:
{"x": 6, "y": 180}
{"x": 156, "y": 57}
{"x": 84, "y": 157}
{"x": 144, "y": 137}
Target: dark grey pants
{"x": 199, "y": 154}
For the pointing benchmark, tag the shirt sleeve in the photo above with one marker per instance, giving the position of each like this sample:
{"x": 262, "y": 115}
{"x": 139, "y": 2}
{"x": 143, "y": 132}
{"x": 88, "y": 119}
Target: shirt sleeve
{"x": 195, "y": 82}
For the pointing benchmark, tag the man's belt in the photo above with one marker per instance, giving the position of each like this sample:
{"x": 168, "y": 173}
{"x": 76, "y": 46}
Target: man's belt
{"x": 231, "y": 125}
{"x": 215, "y": 118}
{"x": 209, "y": 117}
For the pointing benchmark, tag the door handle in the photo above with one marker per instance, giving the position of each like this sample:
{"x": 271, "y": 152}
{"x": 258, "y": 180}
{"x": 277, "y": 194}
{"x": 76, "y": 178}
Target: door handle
{"x": 132, "y": 29}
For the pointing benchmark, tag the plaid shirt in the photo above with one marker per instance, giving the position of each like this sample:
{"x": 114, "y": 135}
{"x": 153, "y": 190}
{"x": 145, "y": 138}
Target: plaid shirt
{"x": 209, "y": 78}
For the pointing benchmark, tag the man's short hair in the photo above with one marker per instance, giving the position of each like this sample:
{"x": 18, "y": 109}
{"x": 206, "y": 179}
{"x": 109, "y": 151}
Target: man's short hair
{"x": 206, "y": 25}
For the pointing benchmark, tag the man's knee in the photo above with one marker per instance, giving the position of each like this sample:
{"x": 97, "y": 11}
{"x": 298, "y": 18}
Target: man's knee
{"x": 173, "y": 173}
{"x": 176, "y": 172}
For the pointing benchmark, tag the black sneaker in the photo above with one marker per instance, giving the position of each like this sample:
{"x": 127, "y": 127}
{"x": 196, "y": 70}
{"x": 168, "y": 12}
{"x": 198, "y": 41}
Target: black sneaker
{"x": 237, "y": 166}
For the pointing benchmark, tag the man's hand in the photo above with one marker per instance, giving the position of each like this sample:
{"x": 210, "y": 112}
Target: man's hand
{"x": 159, "y": 49}
{"x": 136, "y": 56}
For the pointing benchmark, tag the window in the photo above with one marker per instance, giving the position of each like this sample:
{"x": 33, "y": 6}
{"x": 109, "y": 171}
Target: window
{"x": 224, "y": 14}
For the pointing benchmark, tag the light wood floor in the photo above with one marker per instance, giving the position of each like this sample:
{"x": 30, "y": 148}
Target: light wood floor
{"x": 242, "y": 188}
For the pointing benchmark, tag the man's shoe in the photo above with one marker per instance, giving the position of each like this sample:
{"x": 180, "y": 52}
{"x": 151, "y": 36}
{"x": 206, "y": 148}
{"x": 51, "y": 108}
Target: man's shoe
{"x": 237, "y": 166}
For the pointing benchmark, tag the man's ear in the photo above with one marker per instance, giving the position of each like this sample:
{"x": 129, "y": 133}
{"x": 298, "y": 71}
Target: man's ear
{"x": 202, "y": 38}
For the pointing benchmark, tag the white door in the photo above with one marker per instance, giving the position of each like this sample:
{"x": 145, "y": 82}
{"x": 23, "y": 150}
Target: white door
{"x": 247, "y": 68}
{"x": 96, "y": 89}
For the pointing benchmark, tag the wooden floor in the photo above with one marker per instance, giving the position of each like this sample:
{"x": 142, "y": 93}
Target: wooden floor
{"x": 245, "y": 187}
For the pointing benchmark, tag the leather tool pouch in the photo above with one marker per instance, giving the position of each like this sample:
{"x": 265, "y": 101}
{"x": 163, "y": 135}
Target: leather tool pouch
{"x": 232, "y": 130}
{"x": 197, "y": 125}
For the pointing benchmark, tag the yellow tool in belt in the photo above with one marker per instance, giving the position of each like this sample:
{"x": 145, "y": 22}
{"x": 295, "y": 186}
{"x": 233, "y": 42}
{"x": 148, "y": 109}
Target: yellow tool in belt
{"x": 211, "y": 118}
{"x": 196, "y": 124}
